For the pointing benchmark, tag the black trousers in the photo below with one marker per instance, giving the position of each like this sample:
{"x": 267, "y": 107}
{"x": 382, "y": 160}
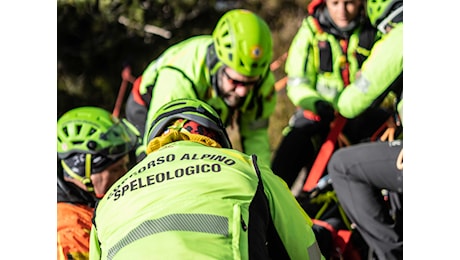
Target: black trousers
{"x": 301, "y": 145}
{"x": 358, "y": 174}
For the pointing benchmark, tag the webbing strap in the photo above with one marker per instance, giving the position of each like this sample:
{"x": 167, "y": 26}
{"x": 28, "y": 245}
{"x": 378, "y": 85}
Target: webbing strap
{"x": 324, "y": 154}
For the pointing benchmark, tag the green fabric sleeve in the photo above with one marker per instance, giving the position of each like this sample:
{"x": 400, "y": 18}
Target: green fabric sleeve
{"x": 383, "y": 66}
{"x": 301, "y": 76}
{"x": 256, "y": 141}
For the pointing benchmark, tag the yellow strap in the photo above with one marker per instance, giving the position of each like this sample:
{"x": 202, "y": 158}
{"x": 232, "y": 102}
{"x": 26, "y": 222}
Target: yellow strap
{"x": 173, "y": 135}
{"x": 70, "y": 172}
{"x": 85, "y": 180}
{"x": 326, "y": 199}
{"x": 60, "y": 250}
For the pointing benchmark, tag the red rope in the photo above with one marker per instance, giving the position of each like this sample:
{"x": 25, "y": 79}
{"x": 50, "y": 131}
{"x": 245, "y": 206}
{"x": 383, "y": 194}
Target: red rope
{"x": 324, "y": 154}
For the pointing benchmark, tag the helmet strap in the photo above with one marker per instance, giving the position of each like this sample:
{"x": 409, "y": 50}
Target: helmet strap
{"x": 85, "y": 180}
{"x": 216, "y": 81}
{"x": 213, "y": 64}
{"x": 212, "y": 61}
{"x": 388, "y": 20}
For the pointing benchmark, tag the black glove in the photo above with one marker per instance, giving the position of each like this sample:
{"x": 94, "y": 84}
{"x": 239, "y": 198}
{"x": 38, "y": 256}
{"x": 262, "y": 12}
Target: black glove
{"x": 325, "y": 111}
{"x": 298, "y": 120}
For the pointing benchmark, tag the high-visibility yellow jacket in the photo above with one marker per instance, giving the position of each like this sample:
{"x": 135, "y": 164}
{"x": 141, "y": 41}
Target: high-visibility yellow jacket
{"x": 190, "y": 201}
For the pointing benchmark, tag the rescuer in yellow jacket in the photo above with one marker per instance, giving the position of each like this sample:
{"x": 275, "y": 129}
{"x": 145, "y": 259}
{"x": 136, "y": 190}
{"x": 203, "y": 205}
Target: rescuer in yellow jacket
{"x": 230, "y": 70}
{"x": 360, "y": 172}
{"x": 333, "y": 41}
{"x": 94, "y": 150}
{"x": 193, "y": 197}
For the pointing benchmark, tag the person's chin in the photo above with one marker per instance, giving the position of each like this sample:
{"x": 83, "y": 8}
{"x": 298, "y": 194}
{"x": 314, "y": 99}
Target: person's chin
{"x": 343, "y": 24}
{"x": 99, "y": 195}
{"x": 233, "y": 102}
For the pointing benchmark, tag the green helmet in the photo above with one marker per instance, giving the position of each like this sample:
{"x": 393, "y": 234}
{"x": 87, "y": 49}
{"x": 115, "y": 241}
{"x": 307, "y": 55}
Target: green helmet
{"x": 377, "y": 10}
{"x": 94, "y": 130}
{"x": 243, "y": 41}
{"x": 193, "y": 110}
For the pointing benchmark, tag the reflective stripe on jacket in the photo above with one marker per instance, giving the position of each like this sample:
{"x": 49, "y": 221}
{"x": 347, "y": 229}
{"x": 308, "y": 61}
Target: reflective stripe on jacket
{"x": 190, "y": 201}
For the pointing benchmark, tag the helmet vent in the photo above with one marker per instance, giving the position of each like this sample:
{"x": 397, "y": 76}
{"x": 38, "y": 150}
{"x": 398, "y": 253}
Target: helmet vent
{"x": 66, "y": 132}
{"x": 92, "y": 131}
{"x": 78, "y": 128}
{"x": 116, "y": 133}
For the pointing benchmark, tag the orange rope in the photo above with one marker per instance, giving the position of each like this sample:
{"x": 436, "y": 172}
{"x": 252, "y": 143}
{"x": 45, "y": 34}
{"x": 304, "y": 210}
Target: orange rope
{"x": 280, "y": 84}
{"x": 389, "y": 134}
{"x": 277, "y": 63}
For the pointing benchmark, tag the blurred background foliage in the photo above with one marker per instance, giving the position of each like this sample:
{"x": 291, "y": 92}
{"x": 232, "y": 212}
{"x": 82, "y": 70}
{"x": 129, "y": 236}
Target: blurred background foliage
{"x": 97, "y": 38}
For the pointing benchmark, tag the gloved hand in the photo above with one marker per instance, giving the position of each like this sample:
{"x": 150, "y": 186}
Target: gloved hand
{"x": 325, "y": 111}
